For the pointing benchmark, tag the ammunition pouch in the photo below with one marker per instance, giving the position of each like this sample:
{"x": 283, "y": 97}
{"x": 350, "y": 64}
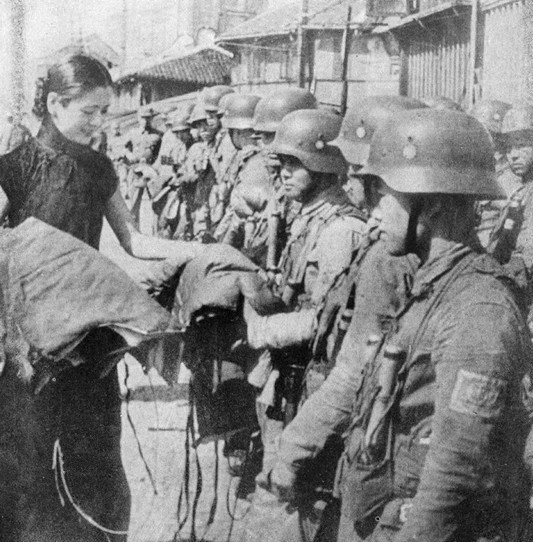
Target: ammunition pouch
{"x": 366, "y": 487}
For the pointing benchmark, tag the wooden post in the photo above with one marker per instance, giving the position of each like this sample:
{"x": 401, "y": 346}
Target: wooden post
{"x": 301, "y": 50}
{"x": 473, "y": 54}
{"x": 345, "y": 55}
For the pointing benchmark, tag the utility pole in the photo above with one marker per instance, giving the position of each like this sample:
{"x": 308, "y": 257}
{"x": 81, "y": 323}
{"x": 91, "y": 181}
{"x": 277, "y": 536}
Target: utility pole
{"x": 473, "y": 54}
{"x": 301, "y": 46}
{"x": 345, "y": 55}
{"x": 17, "y": 17}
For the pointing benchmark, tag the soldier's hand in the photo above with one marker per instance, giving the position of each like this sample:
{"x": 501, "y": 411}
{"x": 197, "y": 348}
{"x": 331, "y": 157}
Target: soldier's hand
{"x": 280, "y": 481}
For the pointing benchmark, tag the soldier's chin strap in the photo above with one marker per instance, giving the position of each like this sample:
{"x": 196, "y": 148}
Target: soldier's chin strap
{"x": 411, "y": 245}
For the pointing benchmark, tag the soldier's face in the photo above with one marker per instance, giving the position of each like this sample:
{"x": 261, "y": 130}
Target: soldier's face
{"x": 78, "y": 119}
{"x": 520, "y": 158}
{"x": 206, "y": 130}
{"x": 241, "y": 138}
{"x": 395, "y": 210}
{"x": 265, "y": 138}
{"x": 298, "y": 184}
{"x": 214, "y": 120}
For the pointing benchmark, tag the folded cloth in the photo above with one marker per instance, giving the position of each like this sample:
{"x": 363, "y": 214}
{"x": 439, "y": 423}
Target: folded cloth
{"x": 60, "y": 289}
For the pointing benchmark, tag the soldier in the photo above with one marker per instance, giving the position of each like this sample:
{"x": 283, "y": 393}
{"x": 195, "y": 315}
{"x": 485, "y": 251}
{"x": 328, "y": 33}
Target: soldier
{"x": 238, "y": 121}
{"x": 309, "y": 264}
{"x": 251, "y": 188}
{"x": 215, "y": 99}
{"x": 278, "y": 214}
{"x": 372, "y": 288}
{"x": 197, "y": 177}
{"x": 510, "y": 241}
{"x": 163, "y": 162}
{"x": 435, "y": 396}
{"x": 168, "y": 202}
{"x": 491, "y": 113}
{"x": 146, "y": 140}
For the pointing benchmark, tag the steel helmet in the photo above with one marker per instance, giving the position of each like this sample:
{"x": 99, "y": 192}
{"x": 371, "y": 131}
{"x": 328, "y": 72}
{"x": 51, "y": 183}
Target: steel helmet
{"x": 211, "y": 97}
{"x": 490, "y": 113}
{"x": 271, "y": 109}
{"x": 431, "y": 151}
{"x": 518, "y": 122}
{"x": 362, "y": 120}
{"x": 180, "y": 122}
{"x": 223, "y": 104}
{"x": 442, "y": 102}
{"x": 239, "y": 112}
{"x": 198, "y": 113}
{"x": 305, "y": 134}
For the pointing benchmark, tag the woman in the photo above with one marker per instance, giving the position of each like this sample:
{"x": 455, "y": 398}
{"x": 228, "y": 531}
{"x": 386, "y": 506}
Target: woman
{"x": 57, "y": 178}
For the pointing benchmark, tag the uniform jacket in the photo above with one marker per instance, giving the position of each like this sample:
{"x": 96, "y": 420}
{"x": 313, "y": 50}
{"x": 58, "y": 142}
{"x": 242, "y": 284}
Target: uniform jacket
{"x": 458, "y": 424}
{"x": 322, "y": 240}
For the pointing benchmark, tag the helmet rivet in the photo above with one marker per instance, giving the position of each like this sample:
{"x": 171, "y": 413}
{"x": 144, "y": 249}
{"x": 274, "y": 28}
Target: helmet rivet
{"x": 409, "y": 151}
{"x": 360, "y": 132}
{"x": 319, "y": 144}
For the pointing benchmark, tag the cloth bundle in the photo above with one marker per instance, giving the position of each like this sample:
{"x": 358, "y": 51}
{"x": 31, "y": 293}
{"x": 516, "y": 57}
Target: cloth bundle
{"x": 57, "y": 290}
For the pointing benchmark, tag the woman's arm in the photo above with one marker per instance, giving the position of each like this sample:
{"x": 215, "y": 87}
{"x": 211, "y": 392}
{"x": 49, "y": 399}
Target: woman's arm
{"x": 142, "y": 246}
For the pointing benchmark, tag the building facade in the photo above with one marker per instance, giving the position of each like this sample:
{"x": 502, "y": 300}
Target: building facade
{"x": 283, "y": 46}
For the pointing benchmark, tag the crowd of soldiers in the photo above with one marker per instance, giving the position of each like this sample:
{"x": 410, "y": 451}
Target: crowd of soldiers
{"x": 393, "y": 400}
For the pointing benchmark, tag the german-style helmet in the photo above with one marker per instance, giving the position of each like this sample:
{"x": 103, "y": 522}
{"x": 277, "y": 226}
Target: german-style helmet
{"x": 431, "y": 151}
{"x": 271, "y": 109}
{"x": 518, "y": 119}
{"x": 239, "y": 111}
{"x": 490, "y": 113}
{"x": 362, "y": 120}
{"x": 305, "y": 134}
{"x": 211, "y": 97}
{"x": 198, "y": 113}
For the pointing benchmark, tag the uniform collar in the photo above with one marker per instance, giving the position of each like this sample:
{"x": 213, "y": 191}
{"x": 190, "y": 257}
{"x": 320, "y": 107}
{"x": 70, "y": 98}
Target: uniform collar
{"x": 333, "y": 195}
{"x": 433, "y": 270}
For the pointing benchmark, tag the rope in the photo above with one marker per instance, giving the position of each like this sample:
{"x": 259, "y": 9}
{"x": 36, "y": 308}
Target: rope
{"x": 58, "y": 465}
{"x": 184, "y": 490}
{"x": 134, "y": 430}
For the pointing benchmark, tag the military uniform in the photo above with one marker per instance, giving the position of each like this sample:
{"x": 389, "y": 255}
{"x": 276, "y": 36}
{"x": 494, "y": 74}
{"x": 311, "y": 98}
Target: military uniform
{"x": 308, "y": 267}
{"x": 245, "y": 222}
{"x": 171, "y": 154}
{"x": 429, "y": 399}
{"x": 197, "y": 180}
{"x": 510, "y": 240}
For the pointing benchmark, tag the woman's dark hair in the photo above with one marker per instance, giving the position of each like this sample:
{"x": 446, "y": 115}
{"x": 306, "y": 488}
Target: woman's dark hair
{"x": 70, "y": 78}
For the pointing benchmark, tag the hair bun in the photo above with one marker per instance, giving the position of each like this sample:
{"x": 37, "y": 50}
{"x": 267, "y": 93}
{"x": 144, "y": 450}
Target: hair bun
{"x": 41, "y": 95}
